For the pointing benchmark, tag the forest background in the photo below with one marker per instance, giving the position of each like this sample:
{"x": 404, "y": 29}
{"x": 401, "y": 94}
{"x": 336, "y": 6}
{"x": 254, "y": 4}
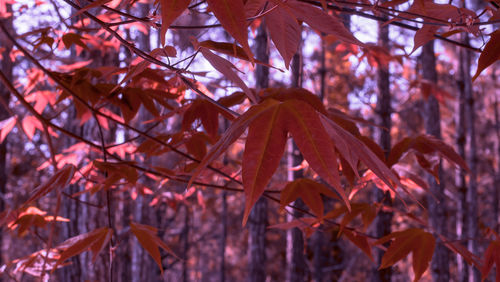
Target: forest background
{"x": 249, "y": 140}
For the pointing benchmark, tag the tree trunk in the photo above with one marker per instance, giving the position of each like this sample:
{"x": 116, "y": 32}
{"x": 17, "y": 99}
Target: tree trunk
{"x": 223, "y": 239}
{"x": 318, "y": 240}
{"x": 257, "y": 221}
{"x": 296, "y": 263}
{"x": 464, "y": 85}
{"x": 436, "y": 203}
{"x": 185, "y": 244}
{"x": 471, "y": 195}
{"x": 384, "y": 219}
{"x": 496, "y": 187}
{"x": 6, "y": 68}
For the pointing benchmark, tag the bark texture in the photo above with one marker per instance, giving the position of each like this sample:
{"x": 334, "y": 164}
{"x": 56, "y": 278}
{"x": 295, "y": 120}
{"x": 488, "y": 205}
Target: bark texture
{"x": 257, "y": 221}
{"x": 296, "y": 263}
{"x": 223, "y": 239}
{"x": 384, "y": 219}
{"x": 471, "y": 219}
{"x": 436, "y": 204}
{"x": 6, "y": 68}
{"x": 464, "y": 85}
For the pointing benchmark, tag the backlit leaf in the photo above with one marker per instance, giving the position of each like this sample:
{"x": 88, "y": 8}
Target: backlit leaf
{"x": 6, "y": 126}
{"x": 491, "y": 257}
{"x": 305, "y": 126}
{"x": 33, "y": 216}
{"x": 228, "y": 70}
{"x": 425, "y": 145}
{"x": 422, "y": 254}
{"x": 322, "y": 21}
{"x": 30, "y": 125}
{"x": 232, "y": 134}
{"x": 360, "y": 241}
{"x": 284, "y": 31}
{"x": 231, "y": 14}
{"x": 252, "y": 7}
{"x": 263, "y": 151}
{"x": 357, "y": 149}
{"x": 309, "y": 191}
{"x": 423, "y": 35}
{"x": 58, "y": 181}
{"x": 414, "y": 240}
{"x": 305, "y": 224}
{"x": 230, "y": 49}
{"x": 95, "y": 241}
{"x": 366, "y": 211}
{"x": 490, "y": 53}
{"x": 170, "y": 11}
{"x": 70, "y": 39}
{"x": 146, "y": 235}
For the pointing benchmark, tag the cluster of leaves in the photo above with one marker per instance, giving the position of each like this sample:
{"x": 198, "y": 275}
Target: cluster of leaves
{"x": 335, "y": 150}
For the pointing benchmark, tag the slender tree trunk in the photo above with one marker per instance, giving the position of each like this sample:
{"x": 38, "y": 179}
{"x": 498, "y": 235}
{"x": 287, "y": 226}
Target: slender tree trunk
{"x": 496, "y": 187}
{"x": 185, "y": 245}
{"x": 223, "y": 239}
{"x": 257, "y": 221}
{"x": 296, "y": 263}
{"x": 436, "y": 203}
{"x": 464, "y": 85}
{"x": 471, "y": 195}
{"x": 318, "y": 242}
{"x": 137, "y": 263}
{"x": 384, "y": 219}
{"x": 6, "y": 68}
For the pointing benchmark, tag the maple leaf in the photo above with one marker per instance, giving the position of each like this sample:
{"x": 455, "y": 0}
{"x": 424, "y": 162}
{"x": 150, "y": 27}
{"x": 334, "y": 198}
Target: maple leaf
{"x": 146, "y": 235}
{"x": 196, "y": 145}
{"x": 263, "y": 151}
{"x": 58, "y": 181}
{"x": 207, "y": 113}
{"x": 285, "y": 32}
{"x": 308, "y": 132}
{"x": 439, "y": 13}
{"x": 491, "y": 257}
{"x": 423, "y": 35}
{"x": 366, "y": 211}
{"x": 231, "y": 14}
{"x": 70, "y": 39}
{"x": 490, "y": 54}
{"x": 360, "y": 241}
{"x": 252, "y": 7}
{"x": 415, "y": 240}
{"x": 32, "y": 216}
{"x": 230, "y": 49}
{"x": 232, "y": 100}
{"x": 299, "y": 113}
{"x": 272, "y": 120}
{"x": 6, "y": 126}
{"x": 95, "y": 240}
{"x": 354, "y": 149}
{"x": 261, "y": 159}
{"x": 310, "y": 191}
{"x": 170, "y": 11}
{"x": 424, "y": 145}
{"x": 115, "y": 172}
{"x": 459, "y": 249}
{"x": 305, "y": 224}
{"x": 30, "y": 125}
{"x": 228, "y": 69}
{"x": 237, "y": 128}
{"x": 322, "y": 21}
